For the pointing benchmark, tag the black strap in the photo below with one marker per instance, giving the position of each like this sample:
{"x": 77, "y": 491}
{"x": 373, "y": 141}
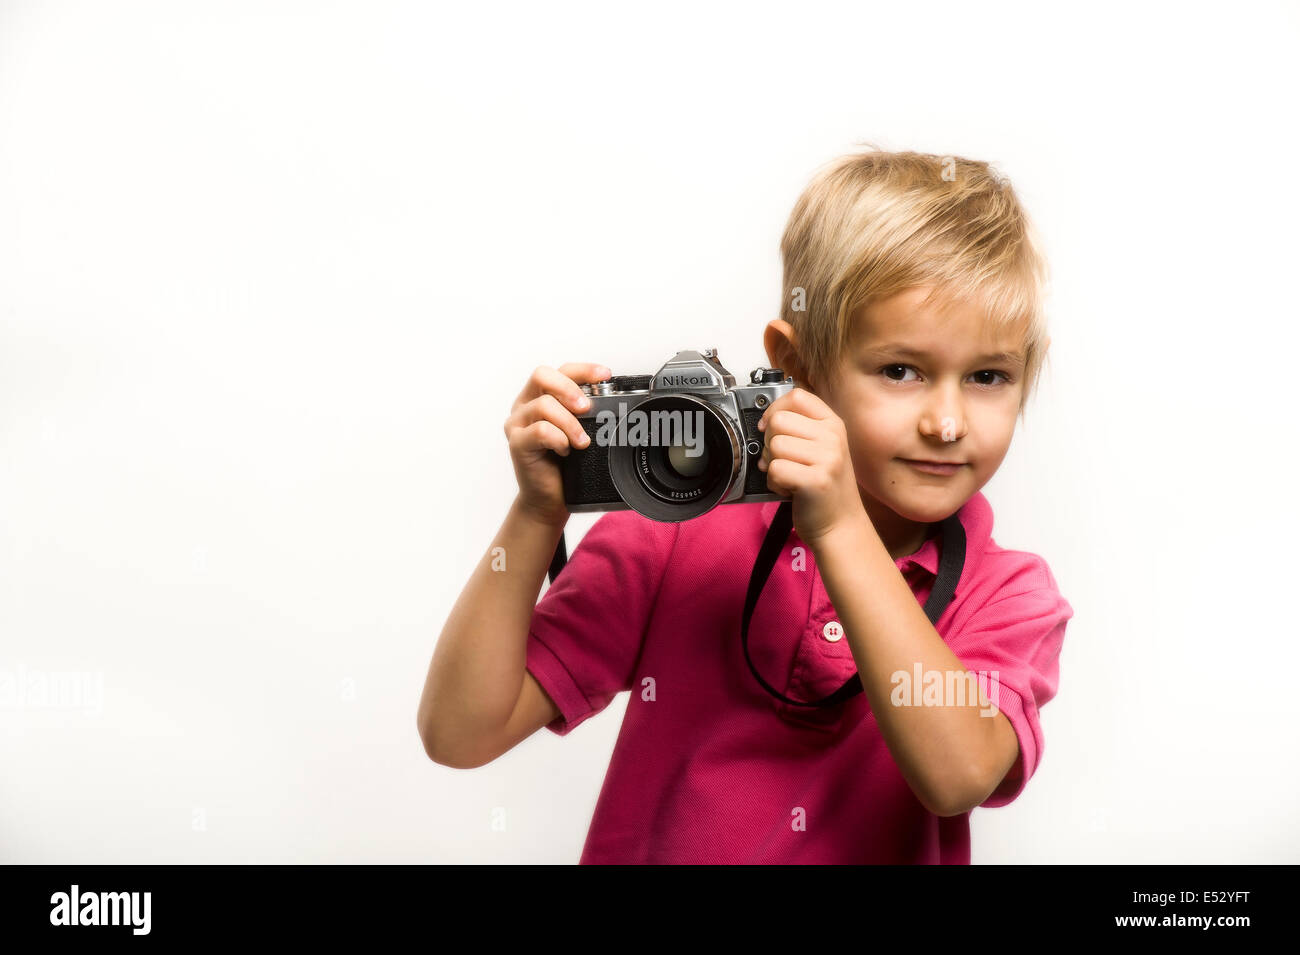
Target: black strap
{"x": 945, "y": 585}
{"x": 559, "y": 559}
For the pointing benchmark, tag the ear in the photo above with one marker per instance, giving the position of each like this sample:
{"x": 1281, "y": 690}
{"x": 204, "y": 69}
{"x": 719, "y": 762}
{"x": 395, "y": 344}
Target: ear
{"x": 779, "y": 340}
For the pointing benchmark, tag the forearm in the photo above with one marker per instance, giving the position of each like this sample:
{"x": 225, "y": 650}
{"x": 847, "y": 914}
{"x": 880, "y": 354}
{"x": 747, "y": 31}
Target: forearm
{"x": 947, "y": 753}
{"x": 477, "y": 670}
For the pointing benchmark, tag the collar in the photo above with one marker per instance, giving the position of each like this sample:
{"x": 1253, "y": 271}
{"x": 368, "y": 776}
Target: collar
{"x": 976, "y": 517}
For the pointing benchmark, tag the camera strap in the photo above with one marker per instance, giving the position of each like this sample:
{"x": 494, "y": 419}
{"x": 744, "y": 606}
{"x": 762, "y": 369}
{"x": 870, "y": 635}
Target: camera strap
{"x": 558, "y": 559}
{"x": 945, "y": 585}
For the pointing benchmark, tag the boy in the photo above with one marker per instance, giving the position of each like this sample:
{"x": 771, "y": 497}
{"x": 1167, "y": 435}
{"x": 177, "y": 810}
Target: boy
{"x": 913, "y": 328}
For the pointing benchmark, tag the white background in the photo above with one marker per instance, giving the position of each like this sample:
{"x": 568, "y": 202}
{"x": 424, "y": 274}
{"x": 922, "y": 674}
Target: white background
{"x": 271, "y": 275}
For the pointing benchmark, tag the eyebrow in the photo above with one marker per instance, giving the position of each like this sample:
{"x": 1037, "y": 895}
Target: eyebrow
{"x": 906, "y": 351}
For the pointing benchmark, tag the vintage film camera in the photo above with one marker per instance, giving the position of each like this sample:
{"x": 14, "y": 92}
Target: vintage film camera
{"x": 675, "y": 444}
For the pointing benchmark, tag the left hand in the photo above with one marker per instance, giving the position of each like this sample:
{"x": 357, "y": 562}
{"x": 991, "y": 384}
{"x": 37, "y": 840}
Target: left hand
{"x": 806, "y": 456}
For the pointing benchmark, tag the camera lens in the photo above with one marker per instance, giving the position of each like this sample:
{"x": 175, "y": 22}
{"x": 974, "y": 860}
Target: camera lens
{"x": 679, "y": 458}
{"x": 678, "y": 473}
{"x": 689, "y": 459}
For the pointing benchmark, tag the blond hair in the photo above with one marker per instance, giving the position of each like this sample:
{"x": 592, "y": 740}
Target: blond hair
{"x": 872, "y": 224}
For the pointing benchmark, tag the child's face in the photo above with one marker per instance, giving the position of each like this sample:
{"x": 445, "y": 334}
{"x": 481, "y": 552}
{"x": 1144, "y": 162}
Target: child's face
{"x": 948, "y": 401}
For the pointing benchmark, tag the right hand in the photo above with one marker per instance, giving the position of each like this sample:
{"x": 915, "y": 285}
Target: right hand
{"x": 543, "y": 419}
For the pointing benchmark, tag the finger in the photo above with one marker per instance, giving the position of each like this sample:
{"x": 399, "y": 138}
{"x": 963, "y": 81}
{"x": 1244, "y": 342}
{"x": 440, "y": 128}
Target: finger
{"x": 801, "y": 398}
{"x": 542, "y": 434}
{"x": 804, "y": 402}
{"x": 789, "y": 477}
{"x": 777, "y": 479}
{"x": 548, "y": 408}
{"x": 792, "y": 448}
{"x": 547, "y": 380}
{"x": 561, "y": 383}
{"x": 788, "y": 421}
{"x": 584, "y": 372}
{"x": 770, "y": 410}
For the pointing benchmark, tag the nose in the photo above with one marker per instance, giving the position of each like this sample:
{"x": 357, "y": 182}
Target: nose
{"x": 944, "y": 416}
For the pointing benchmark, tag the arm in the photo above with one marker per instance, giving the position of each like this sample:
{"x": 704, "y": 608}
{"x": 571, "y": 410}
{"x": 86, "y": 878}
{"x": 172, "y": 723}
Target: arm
{"x": 951, "y": 756}
{"x": 478, "y": 699}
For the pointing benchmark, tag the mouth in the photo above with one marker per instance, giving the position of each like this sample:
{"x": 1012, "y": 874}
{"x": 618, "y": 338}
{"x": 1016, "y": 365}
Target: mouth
{"x": 934, "y": 467}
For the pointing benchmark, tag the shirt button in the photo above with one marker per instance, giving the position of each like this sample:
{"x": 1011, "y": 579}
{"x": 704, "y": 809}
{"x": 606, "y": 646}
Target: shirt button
{"x": 832, "y": 631}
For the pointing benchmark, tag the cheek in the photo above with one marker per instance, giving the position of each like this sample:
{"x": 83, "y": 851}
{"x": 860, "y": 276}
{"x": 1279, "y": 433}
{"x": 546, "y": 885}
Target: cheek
{"x": 871, "y": 436}
{"x": 875, "y": 421}
{"x": 995, "y": 429}
{"x": 876, "y": 428}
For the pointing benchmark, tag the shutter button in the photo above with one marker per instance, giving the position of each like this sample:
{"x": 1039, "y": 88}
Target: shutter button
{"x": 832, "y": 631}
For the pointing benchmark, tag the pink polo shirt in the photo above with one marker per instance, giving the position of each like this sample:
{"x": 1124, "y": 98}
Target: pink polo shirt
{"x": 709, "y": 768}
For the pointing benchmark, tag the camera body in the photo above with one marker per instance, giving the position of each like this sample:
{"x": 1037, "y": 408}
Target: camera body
{"x": 674, "y": 444}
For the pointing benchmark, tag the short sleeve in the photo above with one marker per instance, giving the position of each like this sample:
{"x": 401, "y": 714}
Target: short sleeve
{"x": 1013, "y": 645}
{"x": 586, "y": 632}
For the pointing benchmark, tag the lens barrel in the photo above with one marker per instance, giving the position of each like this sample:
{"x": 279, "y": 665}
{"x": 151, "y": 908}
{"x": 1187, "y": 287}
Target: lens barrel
{"x": 662, "y": 480}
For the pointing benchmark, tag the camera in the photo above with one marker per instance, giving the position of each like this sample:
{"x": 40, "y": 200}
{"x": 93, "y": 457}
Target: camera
{"x": 675, "y": 444}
